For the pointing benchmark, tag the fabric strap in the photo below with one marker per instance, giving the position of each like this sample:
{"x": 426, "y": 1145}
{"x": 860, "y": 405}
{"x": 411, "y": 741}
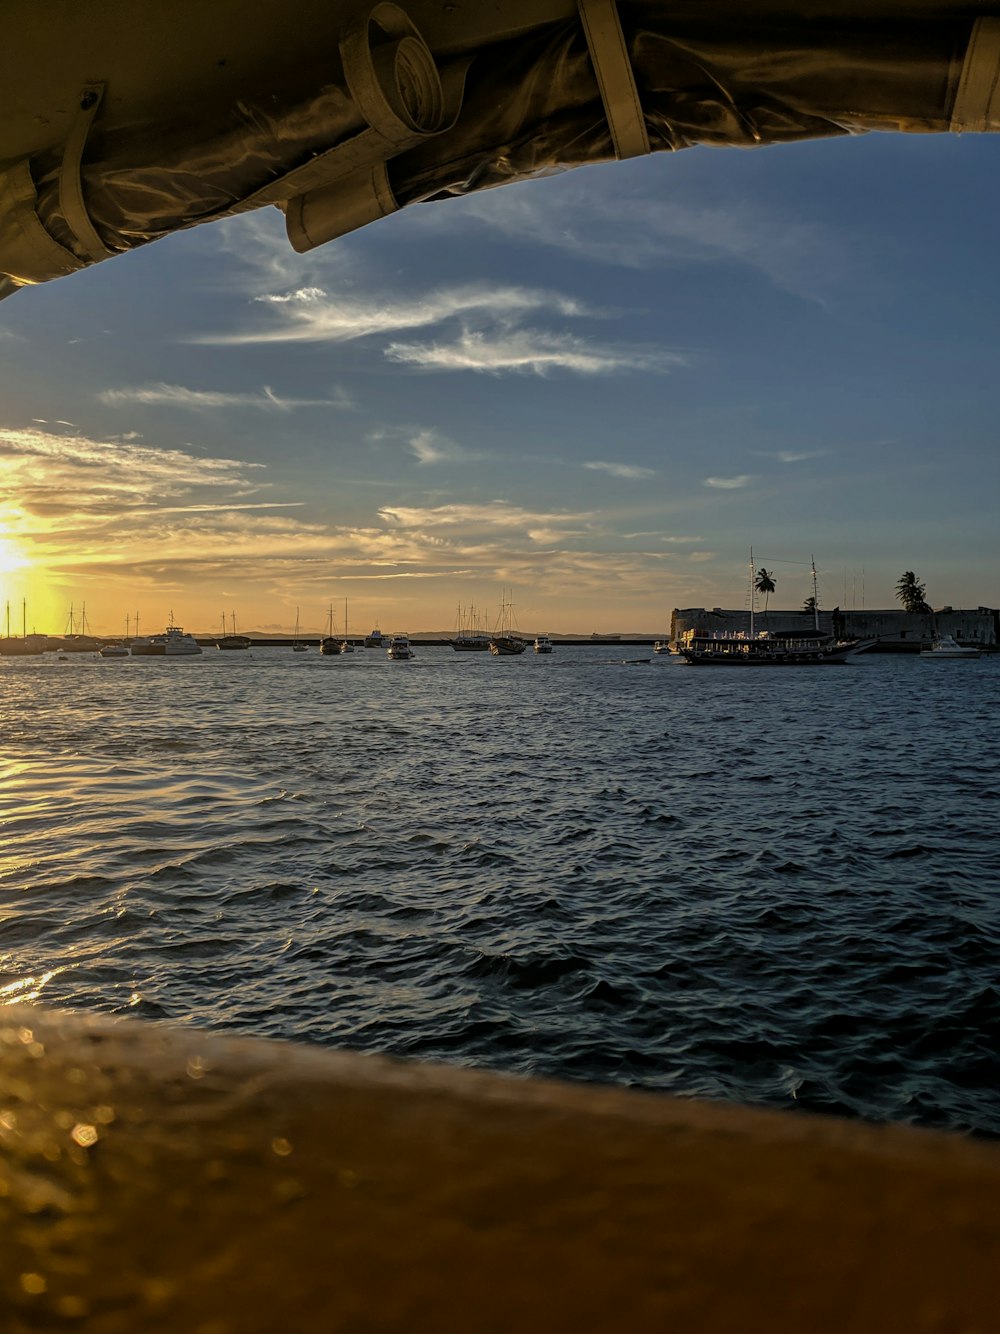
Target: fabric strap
{"x": 615, "y": 79}
{"x": 74, "y": 210}
{"x": 977, "y": 101}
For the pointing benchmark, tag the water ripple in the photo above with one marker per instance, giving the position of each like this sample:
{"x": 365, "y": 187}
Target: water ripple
{"x": 780, "y": 889}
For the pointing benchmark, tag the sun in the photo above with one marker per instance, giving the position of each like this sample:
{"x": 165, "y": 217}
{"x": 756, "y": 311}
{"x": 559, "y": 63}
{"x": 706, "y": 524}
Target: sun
{"x": 12, "y": 556}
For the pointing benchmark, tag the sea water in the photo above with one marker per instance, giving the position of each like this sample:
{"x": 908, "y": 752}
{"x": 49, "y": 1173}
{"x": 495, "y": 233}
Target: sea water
{"x": 776, "y": 886}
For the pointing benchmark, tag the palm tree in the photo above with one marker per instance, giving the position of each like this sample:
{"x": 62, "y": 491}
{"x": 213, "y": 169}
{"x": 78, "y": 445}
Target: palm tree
{"x": 764, "y": 583}
{"x": 910, "y": 592}
{"x": 810, "y": 604}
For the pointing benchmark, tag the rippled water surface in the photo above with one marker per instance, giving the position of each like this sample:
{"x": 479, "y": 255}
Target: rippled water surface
{"x": 778, "y": 886}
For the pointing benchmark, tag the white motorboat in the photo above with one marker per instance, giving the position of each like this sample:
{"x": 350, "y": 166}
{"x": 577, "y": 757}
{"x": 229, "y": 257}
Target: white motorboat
{"x": 113, "y": 651}
{"x": 543, "y": 644}
{"x": 148, "y": 646}
{"x": 662, "y": 646}
{"x": 400, "y": 648}
{"x": 177, "y": 644}
{"x": 947, "y": 646}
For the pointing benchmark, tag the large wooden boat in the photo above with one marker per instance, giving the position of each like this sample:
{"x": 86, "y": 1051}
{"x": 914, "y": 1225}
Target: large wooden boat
{"x": 763, "y": 648}
{"x": 767, "y": 650}
{"x": 470, "y": 636}
{"x": 505, "y": 642}
{"x": 230, "y": 639}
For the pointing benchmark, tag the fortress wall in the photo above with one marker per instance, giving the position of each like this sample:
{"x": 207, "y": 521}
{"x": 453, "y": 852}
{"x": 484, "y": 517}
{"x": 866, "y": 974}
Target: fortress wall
{"x": 894, "y": 629}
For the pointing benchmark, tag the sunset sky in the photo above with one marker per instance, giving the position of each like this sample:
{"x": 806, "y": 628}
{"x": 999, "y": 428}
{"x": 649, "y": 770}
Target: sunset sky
{"x": 596, "y": 390}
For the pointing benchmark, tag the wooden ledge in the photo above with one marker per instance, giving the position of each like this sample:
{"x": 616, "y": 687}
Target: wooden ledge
{"x": 156, "y": 1179}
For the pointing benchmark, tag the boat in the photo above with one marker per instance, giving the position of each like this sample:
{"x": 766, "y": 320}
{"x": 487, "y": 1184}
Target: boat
{"x": 543, "y": 644}
{"x": 375, "y": 640}
{"x": 78, "y": 638}
{"x": 177, "y": 644}
{"x": 117, "y": 648}
{"x": 345, "y": 644}
{"x": 947, "y": 646}
{"x": 505, "y": 642}
{"x": 330, "y": 645}
{"x": 762, "y": 648}
{"x": 148, "y": 646}
{"x": 661, "y": 646}
{"x": 232, "y": 640}
{"x": 400, "y": 648}
{"x": 26, "y": 645}
{"x": 297, "y": 645}
{"x": 766, "y": 650}
{"x": 470, "y": 636}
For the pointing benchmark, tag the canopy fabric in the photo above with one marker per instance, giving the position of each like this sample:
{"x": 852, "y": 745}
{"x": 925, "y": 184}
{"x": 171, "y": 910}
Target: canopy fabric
{"x": 386, "y": 106}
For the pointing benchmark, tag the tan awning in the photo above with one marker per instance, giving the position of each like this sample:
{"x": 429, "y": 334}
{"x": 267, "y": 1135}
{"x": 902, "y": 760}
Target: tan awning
{"x": 117, "y": 130}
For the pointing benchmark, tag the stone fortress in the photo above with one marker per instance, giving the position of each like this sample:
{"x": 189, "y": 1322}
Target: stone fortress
{"x": 894, "y": 631}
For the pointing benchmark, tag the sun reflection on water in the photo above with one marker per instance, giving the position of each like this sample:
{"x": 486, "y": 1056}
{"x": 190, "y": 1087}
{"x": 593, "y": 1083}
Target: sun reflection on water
{"x": 24, "y": 989}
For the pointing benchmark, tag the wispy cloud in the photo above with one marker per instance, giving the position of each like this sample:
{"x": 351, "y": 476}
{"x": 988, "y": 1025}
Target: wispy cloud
{"x": 792, "y": 455}
{"x": 490, "y": 328}
{"x": 628, "y": 471}
{"x": 529, "y": 352}
{"x": 497, "y": 514}
{"x": 624, "y": 225}
{"x": 312, "y": 315}
{"x": 430, "y": 446}
{"x": 178, "y": 396}
{"x": 75, "y": 500}
{"x": 729, "y": 483}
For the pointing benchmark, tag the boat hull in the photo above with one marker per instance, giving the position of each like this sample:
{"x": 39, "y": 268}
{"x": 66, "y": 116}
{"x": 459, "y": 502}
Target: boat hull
{"x": 502, "y": 646}
{"x": 769, "y": 653}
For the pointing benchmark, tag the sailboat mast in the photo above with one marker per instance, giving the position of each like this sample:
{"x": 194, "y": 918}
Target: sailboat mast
{"x": 753, "y": 592}
{"x": 815, "y": 595}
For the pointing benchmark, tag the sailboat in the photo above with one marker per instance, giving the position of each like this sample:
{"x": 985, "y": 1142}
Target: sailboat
{"x": 470, "y": 637}
{"x": 78, "y": 638}
{"x": 330, "y": 644}
{"x": 233, "y": 640}
{"x": 345, "y": 644}
{"x": 26, "y": 644}
{"x": 505, "y": 642}
{"x": 765, "y": 649}
{"x": 297, "y": 645}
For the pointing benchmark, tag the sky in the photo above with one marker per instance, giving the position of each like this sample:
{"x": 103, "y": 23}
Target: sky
{"x": 591, "y": 393}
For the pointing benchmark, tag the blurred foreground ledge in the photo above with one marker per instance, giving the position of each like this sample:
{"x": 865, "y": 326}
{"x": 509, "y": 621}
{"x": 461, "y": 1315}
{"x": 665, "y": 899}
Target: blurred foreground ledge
{"x": 156, "y": 1179}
